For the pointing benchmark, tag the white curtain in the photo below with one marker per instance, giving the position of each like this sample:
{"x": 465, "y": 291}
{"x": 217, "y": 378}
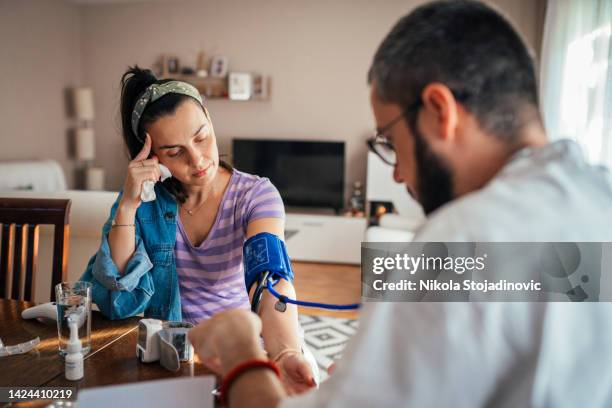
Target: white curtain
{"x": 576, "y": 75}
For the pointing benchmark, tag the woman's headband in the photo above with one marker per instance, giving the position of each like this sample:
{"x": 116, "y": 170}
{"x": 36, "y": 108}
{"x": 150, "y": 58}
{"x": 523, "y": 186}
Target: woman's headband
{"x": 156, "y": 91}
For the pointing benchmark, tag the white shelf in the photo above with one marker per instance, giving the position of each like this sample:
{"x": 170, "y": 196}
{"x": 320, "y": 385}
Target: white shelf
{"x": 324, "y": 238}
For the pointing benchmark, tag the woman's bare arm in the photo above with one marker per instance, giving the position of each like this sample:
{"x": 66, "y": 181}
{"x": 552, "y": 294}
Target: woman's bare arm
{"x": 280, "y": 330}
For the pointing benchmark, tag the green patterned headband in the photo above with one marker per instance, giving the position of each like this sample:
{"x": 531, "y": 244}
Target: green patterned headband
{"x": 156, "y": 91}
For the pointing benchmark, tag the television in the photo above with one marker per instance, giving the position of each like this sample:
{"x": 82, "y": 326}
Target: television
{"x": 306, "y": 173}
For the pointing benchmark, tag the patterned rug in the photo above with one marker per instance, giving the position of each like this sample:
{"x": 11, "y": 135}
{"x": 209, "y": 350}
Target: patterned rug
{"x": 327, "y": 337}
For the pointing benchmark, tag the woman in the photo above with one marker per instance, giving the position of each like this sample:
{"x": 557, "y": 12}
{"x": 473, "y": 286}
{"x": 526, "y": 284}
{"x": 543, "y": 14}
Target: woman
{"x": 179, "y": 257}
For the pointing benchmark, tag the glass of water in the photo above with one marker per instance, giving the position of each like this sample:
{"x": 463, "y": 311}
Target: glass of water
{"x": 73, "y": 301}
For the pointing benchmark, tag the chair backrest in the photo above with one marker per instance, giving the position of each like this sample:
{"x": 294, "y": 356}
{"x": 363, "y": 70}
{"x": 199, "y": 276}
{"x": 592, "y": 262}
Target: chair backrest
{"x": 20, "y": 219}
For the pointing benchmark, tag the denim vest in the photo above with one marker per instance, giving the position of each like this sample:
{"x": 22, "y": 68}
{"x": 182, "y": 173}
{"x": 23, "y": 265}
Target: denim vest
{"x": 149, "y": 284}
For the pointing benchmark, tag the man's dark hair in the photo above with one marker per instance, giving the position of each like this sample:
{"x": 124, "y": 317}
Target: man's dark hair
{"x": 470, "y": 48}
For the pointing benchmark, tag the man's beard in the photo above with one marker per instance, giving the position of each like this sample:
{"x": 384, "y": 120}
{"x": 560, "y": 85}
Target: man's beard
{"x": 434, "y": 181}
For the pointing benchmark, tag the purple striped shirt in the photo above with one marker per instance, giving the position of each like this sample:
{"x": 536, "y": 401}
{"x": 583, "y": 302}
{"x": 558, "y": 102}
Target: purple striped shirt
{"x": 211, "y": 276}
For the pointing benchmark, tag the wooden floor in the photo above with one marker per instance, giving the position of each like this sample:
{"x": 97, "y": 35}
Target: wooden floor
{"x": 327, "y": 283}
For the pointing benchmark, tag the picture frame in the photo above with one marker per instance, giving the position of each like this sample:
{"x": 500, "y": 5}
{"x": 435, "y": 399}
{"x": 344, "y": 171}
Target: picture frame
{"x": 261, "y": 86}
{"x": 240, "y": 86}
{"x": 219, "y": 65}
{"x": 172, "y": 65}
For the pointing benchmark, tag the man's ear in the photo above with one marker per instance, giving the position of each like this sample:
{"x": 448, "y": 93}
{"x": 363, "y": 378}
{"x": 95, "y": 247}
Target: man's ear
{"x": 441, "y": 105}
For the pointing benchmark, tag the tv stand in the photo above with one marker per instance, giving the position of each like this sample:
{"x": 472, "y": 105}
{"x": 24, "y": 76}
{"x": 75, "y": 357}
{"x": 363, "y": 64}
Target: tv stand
{"x": 311, "y": 210}
{"x": 324, "y": 237}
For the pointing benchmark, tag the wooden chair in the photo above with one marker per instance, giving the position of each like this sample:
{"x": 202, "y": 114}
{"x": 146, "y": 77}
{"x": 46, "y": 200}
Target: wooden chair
{"x": 20, "y": 219}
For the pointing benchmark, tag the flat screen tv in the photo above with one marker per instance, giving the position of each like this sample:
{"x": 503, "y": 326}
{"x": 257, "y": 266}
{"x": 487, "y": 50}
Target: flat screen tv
{"x": 306, "y": 173}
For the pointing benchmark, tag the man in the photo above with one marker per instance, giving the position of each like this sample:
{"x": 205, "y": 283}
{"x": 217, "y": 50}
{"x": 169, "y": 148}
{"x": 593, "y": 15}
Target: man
{"x": 453, "y": 91}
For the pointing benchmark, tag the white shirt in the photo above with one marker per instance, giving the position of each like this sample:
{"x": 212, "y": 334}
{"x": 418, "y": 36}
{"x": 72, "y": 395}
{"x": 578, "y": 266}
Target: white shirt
{"x": 492, "y": 354}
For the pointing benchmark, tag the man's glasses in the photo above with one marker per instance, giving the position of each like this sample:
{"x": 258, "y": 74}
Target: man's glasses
{"x": 380, "y": 143}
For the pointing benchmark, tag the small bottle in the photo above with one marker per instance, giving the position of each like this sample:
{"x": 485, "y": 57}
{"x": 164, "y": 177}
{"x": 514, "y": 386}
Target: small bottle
{"x": 356, "y": 202}
{"x": 74, "y": 356}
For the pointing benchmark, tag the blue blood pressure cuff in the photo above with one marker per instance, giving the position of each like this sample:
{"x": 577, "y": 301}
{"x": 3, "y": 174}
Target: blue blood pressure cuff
{"x": 265, "y": 252}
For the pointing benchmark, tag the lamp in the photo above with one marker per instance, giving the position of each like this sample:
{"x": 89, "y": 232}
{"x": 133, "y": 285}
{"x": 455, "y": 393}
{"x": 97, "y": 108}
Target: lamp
{"x": 83, "y": 103}
{"x": 94, "y": 178}
{"x": 85, "y": 148}
{"x": 85, "y": 143}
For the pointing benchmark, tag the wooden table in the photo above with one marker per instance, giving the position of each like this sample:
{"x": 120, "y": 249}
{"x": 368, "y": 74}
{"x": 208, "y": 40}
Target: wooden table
{"x": 112, "y": 359}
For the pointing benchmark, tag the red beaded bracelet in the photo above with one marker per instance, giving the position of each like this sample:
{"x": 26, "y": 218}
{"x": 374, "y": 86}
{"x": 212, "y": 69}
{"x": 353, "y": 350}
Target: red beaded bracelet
{"x": 241, "y": 369}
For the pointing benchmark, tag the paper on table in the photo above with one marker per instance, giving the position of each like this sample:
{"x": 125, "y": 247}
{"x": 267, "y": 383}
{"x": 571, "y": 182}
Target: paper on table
{"x": 177, "y": 392}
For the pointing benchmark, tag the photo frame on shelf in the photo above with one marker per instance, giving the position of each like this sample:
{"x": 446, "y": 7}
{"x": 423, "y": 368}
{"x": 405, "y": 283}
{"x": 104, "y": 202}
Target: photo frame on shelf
{"x": 219, "y": 65}
{"x": 260, "y": 87}
{"x": 240, "y": 86}
{"x": 172, "y": 65}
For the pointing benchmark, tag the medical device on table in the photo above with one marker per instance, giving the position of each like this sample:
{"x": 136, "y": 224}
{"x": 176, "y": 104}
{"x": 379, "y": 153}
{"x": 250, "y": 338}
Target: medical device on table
{"x": 20, "y": 348}
{"x": 266, "y": 262}
{"x": 166, "y": 342}
{"x": 49, "y": 311}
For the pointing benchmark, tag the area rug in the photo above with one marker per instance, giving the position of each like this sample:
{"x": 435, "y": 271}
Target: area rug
{"x": 326, "y": 337}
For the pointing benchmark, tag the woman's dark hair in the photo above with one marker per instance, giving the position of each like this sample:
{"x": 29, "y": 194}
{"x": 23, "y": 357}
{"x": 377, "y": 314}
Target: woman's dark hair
{"x": 133, "y": 84}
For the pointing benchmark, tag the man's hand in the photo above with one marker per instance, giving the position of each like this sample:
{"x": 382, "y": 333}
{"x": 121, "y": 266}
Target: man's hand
{"x": 227, "y": 339}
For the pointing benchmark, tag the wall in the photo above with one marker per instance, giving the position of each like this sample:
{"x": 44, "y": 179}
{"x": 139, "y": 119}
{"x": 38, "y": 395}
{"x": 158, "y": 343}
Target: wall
{"x": 317, "y": 53}
{"x": 39, "y": 59}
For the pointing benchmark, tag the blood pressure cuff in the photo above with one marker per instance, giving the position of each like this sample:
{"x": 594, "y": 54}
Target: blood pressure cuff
{"x": 265, "y": 252}
{"x": 174, "y": 346}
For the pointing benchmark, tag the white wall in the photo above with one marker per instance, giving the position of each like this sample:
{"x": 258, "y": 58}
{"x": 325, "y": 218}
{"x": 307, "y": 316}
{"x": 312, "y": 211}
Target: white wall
{"x": 39, "y": 59}
{"x": 317, "y": 53}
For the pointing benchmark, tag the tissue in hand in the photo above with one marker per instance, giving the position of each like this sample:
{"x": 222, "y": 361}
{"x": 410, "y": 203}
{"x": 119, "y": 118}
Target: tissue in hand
{"x": 148, "y": 192}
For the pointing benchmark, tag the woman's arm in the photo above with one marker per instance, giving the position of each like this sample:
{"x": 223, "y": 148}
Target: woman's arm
{"x": 264, "y": 212}
{"x": 122, "y": 236}
{"x": 280, "y": 330}
{"x": 119, "y": 295}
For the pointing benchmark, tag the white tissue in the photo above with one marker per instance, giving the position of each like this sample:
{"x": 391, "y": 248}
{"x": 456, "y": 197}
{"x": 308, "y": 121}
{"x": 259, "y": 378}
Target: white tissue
{"x": 148, "y": 191}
